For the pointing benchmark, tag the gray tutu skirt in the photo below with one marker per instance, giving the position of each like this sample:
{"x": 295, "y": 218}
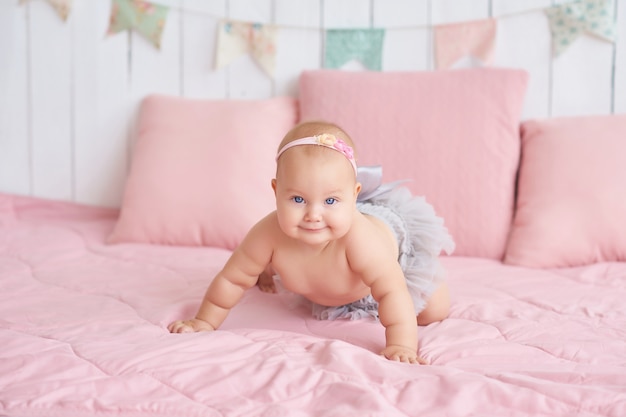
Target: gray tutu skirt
{"x": 421, "y": 237}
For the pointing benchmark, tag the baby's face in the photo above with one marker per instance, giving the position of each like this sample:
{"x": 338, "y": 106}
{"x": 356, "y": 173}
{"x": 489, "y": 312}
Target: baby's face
{"x": 315, "y": 194}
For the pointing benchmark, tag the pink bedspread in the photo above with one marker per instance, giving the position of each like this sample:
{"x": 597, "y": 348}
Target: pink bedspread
{"x": 82, "y": 333}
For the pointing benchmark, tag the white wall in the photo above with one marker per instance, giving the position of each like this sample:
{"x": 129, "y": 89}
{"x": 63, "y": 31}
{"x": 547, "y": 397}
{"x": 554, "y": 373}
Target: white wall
{"x": 69, "y": 94}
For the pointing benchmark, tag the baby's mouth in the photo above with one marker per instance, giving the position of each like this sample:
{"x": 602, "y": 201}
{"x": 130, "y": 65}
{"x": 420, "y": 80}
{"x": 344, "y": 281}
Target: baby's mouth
{"x": 313, "y": 229}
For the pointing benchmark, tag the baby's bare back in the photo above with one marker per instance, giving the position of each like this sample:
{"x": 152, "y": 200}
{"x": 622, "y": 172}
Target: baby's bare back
{"x": 325, "y": 275}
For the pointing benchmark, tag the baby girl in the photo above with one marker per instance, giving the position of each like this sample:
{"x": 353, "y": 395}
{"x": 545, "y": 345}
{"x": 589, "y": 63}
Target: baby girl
{"x": 349, "y": 258}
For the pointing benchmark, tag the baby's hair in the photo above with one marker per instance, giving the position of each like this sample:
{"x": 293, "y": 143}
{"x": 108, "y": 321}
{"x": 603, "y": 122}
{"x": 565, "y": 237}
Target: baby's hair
{"x": 315, "y": 127}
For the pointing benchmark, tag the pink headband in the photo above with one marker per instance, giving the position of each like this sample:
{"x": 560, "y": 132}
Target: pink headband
{"x": 327, "y": 140}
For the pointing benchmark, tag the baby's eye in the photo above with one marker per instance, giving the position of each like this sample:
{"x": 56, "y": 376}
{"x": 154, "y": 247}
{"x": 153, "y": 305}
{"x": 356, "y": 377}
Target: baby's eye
{"x": 298, "y": 199}
{"x": 330, "y": 201}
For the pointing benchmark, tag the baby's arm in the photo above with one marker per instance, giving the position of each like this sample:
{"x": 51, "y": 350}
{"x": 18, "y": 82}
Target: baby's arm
{"x": 395, "y": 309}
{"x": 374, "y": 256}
{"x": 240, "y": 273}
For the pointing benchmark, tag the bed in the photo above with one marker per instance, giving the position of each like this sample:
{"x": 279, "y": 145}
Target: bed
{"x": 84, "y": 333}
{"x": 87, "y": 293}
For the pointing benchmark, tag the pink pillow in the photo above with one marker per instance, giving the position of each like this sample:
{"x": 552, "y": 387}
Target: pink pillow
{"x": 455, "y": 134}
{"x": 201, "y": 170}
{"x": 571, "y": 207}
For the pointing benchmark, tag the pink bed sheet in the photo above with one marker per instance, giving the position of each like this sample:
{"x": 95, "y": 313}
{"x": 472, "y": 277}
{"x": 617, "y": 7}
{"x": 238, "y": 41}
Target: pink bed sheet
{"x": 82, "y": 333}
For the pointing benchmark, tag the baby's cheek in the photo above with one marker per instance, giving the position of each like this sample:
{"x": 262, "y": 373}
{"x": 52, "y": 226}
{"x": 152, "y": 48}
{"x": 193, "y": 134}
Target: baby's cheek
{"x": 342, "y": 224}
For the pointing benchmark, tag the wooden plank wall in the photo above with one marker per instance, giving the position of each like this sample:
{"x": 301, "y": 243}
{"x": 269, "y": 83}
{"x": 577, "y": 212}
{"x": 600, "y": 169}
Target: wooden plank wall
{"x": 69, "y": 93}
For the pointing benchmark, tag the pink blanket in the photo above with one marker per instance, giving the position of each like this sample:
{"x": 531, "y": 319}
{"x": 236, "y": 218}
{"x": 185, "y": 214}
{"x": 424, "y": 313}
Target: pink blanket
{"x": 82, "y": 333}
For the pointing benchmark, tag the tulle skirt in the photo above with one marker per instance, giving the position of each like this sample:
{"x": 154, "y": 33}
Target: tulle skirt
{"x": 421, "y": 237}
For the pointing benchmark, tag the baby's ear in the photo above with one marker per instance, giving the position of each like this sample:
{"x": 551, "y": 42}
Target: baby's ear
{"x": 274, "y": 185}
{"x": 357, "y": 189}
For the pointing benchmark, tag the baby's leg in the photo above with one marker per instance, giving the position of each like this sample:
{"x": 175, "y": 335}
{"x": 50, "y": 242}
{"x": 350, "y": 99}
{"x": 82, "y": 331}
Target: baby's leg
{"x": 437, "y": 308}
{"x": 266, "y": 280}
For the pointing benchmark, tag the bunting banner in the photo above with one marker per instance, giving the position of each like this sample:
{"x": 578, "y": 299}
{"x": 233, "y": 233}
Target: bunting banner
{"x": 569, "y": 21}
{"x": 364, "y": 45}
{"x": 146, "y": 18}
{"x": 238, "y": 38}
{"x": 451, "y": 42}
{"x": 457, "y": 40}
{"x": 62, "y": 7}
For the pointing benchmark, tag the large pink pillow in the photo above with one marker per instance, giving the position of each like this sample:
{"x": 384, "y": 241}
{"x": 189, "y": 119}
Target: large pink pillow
{"x": 454, "y": 133}
{"x": 571, "y": 207}
{"x": 201, "y": 170}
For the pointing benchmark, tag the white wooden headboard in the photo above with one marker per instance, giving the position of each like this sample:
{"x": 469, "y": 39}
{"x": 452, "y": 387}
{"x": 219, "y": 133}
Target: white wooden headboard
{"x": 69, "y": 93}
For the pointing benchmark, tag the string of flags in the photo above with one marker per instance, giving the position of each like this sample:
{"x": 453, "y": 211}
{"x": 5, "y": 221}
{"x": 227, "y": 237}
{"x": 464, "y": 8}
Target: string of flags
{"x": 567, "y": 22}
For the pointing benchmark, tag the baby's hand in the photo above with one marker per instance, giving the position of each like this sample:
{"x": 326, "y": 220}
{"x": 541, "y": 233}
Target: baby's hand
{"x": 402, "y": 354}
{"x": 266, "y": 282}
{"x": 190, "y": 326}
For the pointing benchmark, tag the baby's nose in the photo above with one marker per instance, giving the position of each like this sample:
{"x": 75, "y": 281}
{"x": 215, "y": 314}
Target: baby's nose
{"x": 313, "y": 213}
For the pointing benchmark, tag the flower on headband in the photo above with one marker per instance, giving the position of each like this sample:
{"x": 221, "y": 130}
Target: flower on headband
{"x": 326, "y": 139}
{"x": 344, "y": 148}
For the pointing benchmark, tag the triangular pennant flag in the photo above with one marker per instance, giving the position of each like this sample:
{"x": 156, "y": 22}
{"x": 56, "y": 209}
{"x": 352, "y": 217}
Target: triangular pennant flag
{"x": 364, "y": 45}
{"x": 62, "y": 7}
{"x": 569, "y": 21}
{"x": 457, "y": 40}
{"x": 238, "y": 38}
{"x": 144, "y": 17}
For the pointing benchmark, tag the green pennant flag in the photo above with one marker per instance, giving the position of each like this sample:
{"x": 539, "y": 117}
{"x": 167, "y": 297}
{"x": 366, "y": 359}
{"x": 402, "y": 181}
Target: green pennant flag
{"x": 570, "y": 20}
{"x": 142, "y": 16}
{"x": 364, "y": 45}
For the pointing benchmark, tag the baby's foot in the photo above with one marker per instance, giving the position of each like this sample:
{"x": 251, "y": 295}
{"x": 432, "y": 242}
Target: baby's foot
{"x": 266, "y": 283}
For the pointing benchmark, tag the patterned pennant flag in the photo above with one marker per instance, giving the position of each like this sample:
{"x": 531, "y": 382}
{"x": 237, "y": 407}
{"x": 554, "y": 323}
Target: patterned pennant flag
{"x": 144, "y": 17}
{"x": 62, "y": 7}
{"x": 364, "y": 45}
{"x": 239, "y": 38}
{"x": 569, "y": 21}
{"x": 457, "y": 40}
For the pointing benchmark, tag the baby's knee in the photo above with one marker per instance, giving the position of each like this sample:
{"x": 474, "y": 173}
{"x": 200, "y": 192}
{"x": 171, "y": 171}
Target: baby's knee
{"x": 437, "y": 308}
{"x": 433, "y": 315}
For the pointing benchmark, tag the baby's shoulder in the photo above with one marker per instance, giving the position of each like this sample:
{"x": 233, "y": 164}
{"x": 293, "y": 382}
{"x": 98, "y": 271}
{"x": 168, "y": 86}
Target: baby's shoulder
{"x": 370, "y": 233}
{"x": 266, "y": 227}
{"x": 370, "y": 225}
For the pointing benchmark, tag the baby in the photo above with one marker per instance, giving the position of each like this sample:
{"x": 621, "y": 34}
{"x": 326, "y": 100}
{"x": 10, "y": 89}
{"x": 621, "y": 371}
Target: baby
{"x": 379, "y": 255}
